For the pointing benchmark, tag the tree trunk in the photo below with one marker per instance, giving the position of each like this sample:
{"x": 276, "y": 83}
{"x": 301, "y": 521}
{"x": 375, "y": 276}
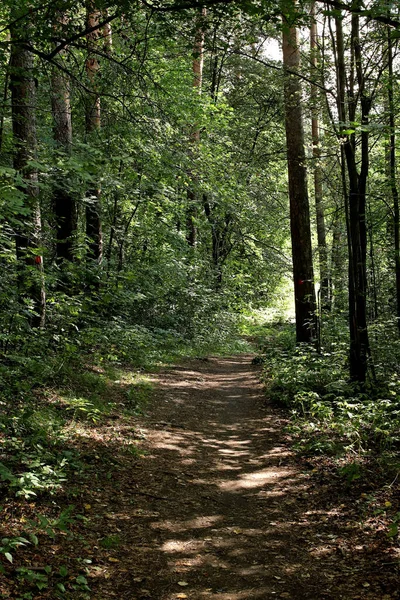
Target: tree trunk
{"x": 306, "y": 320}
{"x": 339, "y": 277}
{"x": 318, "y": 193}
{"x": 64, "y": 203}
{"x": 392, "y": 175}
{"x": 192, "y": 196}
{"x": 93, "y": 124}
{"x": 221, "y": 245}
{"x": 23, "y": 98}
{"x": 4, "y": 99}
{"x": 356, "y": 212}
{"x": 338, "y": 258}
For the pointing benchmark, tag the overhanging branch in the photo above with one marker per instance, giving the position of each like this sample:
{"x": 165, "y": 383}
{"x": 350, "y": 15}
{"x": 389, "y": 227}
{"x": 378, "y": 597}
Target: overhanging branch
{"x": 387, "y": 20}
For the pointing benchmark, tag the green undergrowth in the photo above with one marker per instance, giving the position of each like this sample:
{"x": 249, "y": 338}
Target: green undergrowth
{"x": 329, "y": 414}
{"x": 85, "y": 376}
{"x": 70, "y": 403}
{"x": 350, "y": 436}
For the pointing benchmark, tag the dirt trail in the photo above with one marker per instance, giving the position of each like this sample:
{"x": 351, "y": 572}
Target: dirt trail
{"x": 219, "y": 508}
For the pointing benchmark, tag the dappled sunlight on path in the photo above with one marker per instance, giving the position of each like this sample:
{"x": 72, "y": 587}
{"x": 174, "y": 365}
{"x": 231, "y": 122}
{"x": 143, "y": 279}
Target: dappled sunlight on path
{"x": 219, "y": 507}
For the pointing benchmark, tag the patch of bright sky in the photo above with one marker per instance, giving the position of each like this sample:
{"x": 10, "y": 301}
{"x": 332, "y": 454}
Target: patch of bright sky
{"x": 272, "y": 50}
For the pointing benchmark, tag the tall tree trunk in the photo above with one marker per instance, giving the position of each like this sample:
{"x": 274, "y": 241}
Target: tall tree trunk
{"x": 107, "y": 35}
{"x": 305, "y": 306}
{"x": 64, "y": 203}
{"x": 4, "y": 99}
{"x": 392, "y": 174}
{"x": 23, "y": 98}
{"x": 197, "y": 65}
{"x": 356, "y": 212}
{"x": 221, "y": 245}
{"x": 339, "y": 278}
{"x": 338, "y": 260}
{"x": 93, "y": 124}
{"x": 318, "y": 193}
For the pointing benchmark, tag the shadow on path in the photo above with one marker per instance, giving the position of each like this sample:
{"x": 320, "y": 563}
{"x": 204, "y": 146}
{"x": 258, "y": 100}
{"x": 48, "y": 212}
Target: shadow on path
{"x": 219, "y": 508}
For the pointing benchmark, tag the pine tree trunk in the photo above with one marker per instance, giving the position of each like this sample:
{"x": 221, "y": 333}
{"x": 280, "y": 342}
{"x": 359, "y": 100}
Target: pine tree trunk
{"x": 23, "y": 98}
{"x": 305, "y": 305}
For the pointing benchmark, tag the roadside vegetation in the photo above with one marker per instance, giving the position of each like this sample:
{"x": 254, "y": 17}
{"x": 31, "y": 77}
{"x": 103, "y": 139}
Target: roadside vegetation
{"x": 349, "y": 436}
{"x": 69, "y": 412}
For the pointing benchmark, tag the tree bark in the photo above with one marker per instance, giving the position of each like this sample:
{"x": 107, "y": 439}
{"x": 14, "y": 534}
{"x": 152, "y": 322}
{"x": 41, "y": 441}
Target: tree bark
{"x": 318, "y": 191}
{"x": 339, "y": 277}
{"x": 93, "y": 124}
{"x": 305, "y": 305}
{"x": 357, "y": 184}
{"x": 4, "y": 99}
{"x": 23, "y": 98}
{"x": 192, "y": 196}
{"x": 221, "y": 245}
{"x": 64, "y": 203}
{"x": 392, "y": 175}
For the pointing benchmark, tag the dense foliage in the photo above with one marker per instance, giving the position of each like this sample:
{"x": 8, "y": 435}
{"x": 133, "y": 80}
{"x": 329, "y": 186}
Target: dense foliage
{"x": 144, "y": 209}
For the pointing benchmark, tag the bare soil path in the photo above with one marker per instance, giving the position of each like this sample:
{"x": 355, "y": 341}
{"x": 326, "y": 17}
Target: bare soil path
{"x": 218, "y": 507}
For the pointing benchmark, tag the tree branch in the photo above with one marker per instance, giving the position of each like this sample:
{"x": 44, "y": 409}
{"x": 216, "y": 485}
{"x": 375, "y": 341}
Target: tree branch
{"x": 279, "y": 68}
{"x": 62, "y": 45}
{"x": 80, "y": 34}
{"x": 363, "y": 13}
{"x": 177, "y": 6}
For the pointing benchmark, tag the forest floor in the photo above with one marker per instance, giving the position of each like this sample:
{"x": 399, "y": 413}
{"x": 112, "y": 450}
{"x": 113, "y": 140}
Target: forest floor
{"x": 209, "y": 502}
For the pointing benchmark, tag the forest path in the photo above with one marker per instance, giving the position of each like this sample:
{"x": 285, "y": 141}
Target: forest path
{"x": 219, "y": 508}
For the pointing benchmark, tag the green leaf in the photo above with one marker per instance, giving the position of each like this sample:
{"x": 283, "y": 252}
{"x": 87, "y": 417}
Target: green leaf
{"x": 41, "y": 585}
{"x": 63, "y": 571}
{"x": 8, "y": 556}
{"x": 21, "y": 541}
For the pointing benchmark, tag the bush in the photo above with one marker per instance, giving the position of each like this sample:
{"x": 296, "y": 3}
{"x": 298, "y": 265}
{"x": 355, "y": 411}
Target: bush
{"x": 329, "y": 413}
